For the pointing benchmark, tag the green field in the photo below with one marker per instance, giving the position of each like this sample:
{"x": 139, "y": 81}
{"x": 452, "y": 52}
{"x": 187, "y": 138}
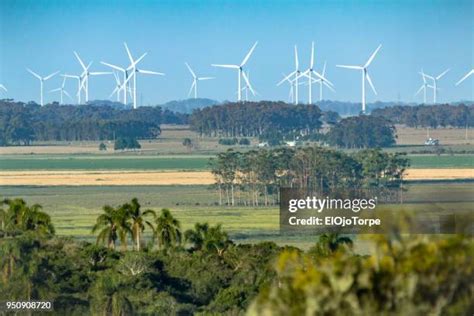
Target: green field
{"x": 97, "y": 162}
{"x": 74, "y": 209}
{"x": 177, "y": 162}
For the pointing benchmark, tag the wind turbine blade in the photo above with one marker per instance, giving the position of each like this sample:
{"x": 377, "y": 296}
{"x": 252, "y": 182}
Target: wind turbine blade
{"x": 322, "y": 77}
{"x": 140, "y": 58}
{"x": 370, "y": 83}
{"x": 113, "y": 66}
{"x": 205, "y": 78}
{"x": 55, "y": 90}
{"x": 297, "y": 62}
{"x": 419, "y": 90}
{"x": 190, "y": 70}
{"x": 247, "y": 81}
{"x": 191, "y": 89}
{"x": 67, "y": 94}
{"x": 225, "y": 66}
{"x": 113, "y": 92}
{"x": 100, "y": 73}
{"x": 149, "y": 72}
{"x": 443, "y": 73}
{"x": 51, "y": 75}
{"x": 128, "y": 52}
{"x": 3, "y": 87}
{"x": 350, "y": 67}
{"x": 372, "y": 56}
{"x": 465, "y": 77}
{"x": 248, "y": 54}
{"x": 329, "y": 87}
{"x": 312, "y": 55}
{"x": 34, "y": 74}
{"x": 117, "y": 79}
{"x": 324, "y": 69}
{"x": 80, "y": 60}
{"x": 287, "y": 78}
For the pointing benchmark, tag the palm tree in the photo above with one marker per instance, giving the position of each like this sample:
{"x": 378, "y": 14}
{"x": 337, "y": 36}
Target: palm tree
{"x": 21, "y": 217}
{"x": 167, "y": 230}
{"x": 330, "y": 243}
{"x": 107, "y": 223}
{"x": 138, "y": 220}
{"x": 209, "y": 238}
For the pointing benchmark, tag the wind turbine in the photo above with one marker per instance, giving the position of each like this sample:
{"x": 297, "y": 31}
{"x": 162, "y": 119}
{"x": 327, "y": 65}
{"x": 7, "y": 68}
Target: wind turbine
{"x": 435, "y": 83}
{"x": 78, "y": 78}
{"x": 247, "y": 86}
{"x": 309, "y": 74}
{"x": 240, "y": 72}
{"x": 125, "y": 77}
{"x": 118, "y": 87}
{"x": 423, "y": 86}
{"x": 134, "y": 70}
{"x": 62, "y": 91}
{"x": 42, "y": 80}
{"x": 2, "y": 87}
{"x": 365, "y": 75}
{"x": 296, "y": 74}
{"x": 465, "y": 77}
{"x": 324, "y": 82}
{"x": 85, "y": 76}
{"x": 195, "y": 81}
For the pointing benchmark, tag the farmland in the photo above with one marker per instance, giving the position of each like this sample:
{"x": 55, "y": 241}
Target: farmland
{"x": 74, "y": 209}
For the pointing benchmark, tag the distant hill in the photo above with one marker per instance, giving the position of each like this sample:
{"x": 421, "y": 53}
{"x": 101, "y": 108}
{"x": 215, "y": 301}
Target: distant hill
{"x": 187, "y": 106}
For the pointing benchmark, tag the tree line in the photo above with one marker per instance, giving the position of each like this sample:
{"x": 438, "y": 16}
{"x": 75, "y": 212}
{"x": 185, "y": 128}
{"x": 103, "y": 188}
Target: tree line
{"x": 254, "y": 119}
{"x": 253, "y": 178}
{"x": 433, "y": 116}
{"x": 201, "y": 271}
{"x": 21, "y": 123}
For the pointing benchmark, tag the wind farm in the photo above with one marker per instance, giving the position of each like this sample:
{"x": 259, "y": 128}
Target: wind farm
{"x": 146, "y": 148}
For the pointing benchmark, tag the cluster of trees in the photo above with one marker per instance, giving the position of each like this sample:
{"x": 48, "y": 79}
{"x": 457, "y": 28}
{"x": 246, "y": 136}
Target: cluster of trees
{"x": 253, "y": 177}
{"x": 22, "y": 123}
{"x": 202, "y": 271}
{"x": 432, "y": 116}
{"x": 234, "y": 141}
{"x": 123, "y": 143}
{"x": 254, "y": 119}
{"x": 362, "y": 132}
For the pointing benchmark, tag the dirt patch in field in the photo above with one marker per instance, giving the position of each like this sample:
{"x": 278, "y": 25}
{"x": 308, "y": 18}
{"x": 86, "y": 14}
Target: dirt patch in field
{"x": 51, "y": 178}
{"x": 439, "y": 174}
{"x": 77, "y": 178}
{"x": 446, "y": 136}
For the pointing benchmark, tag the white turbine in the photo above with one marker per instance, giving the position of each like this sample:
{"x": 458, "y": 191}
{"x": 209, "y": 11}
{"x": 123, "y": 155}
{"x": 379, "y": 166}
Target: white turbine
{"x": 309, "y": 74}
{"x": 240, "y": 72}
{"x": 85, "y": 76}
{"x": 295, "y": 74}
{"x": 248, "y": 86}
{"x": 42, "y": 80}
{"x": 62, "y": 91}
{"x": 125, "y": 77}
{"x": 324, "y": 82}
{"x": 435, "y": 83}
{"x": 465, "y": 77}
{"x": 423, "y": 87}
{"x": 194, "y": 85}
{"x": 79, "y": 80}
{"x": 365, "y": 75}
{"x": 134, "y": 71}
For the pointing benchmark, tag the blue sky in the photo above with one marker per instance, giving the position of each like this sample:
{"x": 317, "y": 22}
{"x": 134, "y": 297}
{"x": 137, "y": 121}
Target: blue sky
{"x": 433, "y": 35}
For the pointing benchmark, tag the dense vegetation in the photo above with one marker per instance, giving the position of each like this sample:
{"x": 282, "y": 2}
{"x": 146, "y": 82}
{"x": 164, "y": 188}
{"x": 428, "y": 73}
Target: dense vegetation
{"x": 201, "y": 271}
{"x": 253, "y": 119}
{"x": 433, "y": 116}
{"x": 250, "y": 177}
{"x": 22, "y": 123}
{"x": 362, "y": 132}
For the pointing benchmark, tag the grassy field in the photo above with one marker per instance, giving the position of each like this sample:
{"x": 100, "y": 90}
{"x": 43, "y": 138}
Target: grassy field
{"x": 176, "y": 162}
{"x": 74, "y": 209}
